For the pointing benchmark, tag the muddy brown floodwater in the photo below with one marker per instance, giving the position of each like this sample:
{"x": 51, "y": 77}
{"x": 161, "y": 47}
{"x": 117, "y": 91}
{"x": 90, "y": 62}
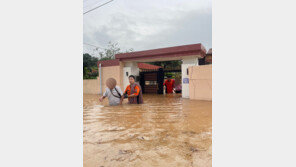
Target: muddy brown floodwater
{"x": 165, "y": 131}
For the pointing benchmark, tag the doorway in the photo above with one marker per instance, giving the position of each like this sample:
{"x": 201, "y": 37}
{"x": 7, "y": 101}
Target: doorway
{"x": 151, "y": 81}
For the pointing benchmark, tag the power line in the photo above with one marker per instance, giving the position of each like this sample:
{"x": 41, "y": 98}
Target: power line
{"x": 97, "y": 7}
{"x": 90, "y": 4}
{"x": 93, "y": 46}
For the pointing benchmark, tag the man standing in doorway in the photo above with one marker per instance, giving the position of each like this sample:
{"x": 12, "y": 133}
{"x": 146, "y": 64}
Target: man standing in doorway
{"x": 169, "y": 85}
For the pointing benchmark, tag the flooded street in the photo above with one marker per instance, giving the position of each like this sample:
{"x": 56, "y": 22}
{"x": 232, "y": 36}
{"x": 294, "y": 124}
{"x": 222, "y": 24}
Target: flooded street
{"x": 164, "y": 131}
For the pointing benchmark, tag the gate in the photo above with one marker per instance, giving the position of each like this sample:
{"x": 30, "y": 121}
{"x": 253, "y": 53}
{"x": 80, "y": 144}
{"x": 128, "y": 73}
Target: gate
{"x": 152, "y": 81}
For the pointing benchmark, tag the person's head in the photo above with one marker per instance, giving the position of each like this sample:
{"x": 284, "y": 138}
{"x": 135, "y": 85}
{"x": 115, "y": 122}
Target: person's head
{"x": 111, "y": 83}
{"x": 169, "y": 78}
{"x": 131, "y": 79}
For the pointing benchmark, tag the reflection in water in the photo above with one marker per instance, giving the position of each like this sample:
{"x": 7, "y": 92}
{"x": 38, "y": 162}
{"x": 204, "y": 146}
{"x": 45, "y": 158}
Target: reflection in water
{"x": 165, "y": 131}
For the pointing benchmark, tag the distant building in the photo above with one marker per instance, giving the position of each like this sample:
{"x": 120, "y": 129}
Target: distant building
{"x": 208, "y": 58}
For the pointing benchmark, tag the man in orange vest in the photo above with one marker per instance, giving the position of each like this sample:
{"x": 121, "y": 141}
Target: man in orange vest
{"x": 133, "y": 92}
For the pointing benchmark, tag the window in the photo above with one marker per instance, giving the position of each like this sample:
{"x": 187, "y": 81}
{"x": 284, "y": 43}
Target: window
{"x": 150, "y": 82}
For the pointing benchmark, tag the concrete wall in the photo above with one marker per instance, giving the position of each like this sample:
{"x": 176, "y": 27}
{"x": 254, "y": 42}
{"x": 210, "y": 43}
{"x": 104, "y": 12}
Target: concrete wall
{"x": 91, "y": 86}
{"x": 200, "y": 82}
{"x": 114, "y": 72}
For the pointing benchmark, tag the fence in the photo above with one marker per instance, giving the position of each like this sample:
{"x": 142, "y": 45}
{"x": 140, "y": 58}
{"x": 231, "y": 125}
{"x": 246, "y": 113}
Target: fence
{"x": 200, "y": 82}
{"x": 91, "y": 86}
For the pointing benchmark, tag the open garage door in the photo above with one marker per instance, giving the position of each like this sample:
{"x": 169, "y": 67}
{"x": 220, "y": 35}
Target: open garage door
{"x": 151, "y": 81}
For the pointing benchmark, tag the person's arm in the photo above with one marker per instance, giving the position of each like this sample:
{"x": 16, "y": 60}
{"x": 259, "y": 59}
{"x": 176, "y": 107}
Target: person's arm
{"x": 104, "y": 96}
{"x": 137, "y": 89}
{"x": 121, "y": 93}
{"x": 121, "y": 99}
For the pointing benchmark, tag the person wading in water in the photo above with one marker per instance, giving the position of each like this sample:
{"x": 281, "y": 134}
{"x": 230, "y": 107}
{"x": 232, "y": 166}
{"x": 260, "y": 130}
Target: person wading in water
{"x": 113, "y": 93}
{"x": 169, "y": 85}
{"x": 133, "y": 92}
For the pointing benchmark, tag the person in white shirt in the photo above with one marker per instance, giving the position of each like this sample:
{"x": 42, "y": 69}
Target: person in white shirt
{"x": 113, "y": 92}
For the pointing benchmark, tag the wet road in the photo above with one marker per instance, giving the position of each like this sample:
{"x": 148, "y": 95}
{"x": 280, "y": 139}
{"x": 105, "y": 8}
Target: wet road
{"x": 165, "y": 131}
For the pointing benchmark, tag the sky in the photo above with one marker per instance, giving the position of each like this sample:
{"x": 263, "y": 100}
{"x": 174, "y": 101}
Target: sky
{"x": 147, "y": 24}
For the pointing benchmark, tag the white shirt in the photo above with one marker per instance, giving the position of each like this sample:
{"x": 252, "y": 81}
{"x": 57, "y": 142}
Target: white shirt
{"x": 111, "y": 97}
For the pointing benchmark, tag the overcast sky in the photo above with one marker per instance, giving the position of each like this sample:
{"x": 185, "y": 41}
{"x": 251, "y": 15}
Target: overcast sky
{"x": 147, "y": 24}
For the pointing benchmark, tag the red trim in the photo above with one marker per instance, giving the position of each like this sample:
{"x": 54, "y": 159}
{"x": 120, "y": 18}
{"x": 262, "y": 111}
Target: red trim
{"x": 107, "y": 63}
{"x": 177, "y": 51}
{"x": 148, "y": 66}
{"x": 163, "y": 56}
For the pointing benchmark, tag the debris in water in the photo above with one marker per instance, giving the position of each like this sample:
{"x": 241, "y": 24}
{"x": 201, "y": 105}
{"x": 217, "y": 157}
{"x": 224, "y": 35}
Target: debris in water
{"x": 124, "y": 152}
{"x": 141, "y": 138}
{"x": 193, "y": 149}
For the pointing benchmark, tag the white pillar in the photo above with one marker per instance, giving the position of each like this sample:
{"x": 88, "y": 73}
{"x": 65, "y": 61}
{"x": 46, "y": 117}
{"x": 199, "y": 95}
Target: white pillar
{"x": 187, "y": 62}
{"x": 126, "y": 73}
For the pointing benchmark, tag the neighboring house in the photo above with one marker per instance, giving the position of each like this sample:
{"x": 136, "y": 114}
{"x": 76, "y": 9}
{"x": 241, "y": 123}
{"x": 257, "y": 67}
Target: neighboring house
{"x": 208, "y": 57}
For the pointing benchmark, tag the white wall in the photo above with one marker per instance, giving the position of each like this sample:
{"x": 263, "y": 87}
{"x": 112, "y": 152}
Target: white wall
{"x": 132, "y": 69}
{"x": 187, "y": 62}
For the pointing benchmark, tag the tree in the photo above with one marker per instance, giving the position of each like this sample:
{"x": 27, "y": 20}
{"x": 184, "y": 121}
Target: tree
{"x": 90, "y": 69}
{"x": 175, "y": 64}
{"x": 111, "y": 51}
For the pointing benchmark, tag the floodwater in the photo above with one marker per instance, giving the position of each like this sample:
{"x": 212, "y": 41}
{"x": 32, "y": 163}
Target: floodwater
{"x": 165, "y": 131}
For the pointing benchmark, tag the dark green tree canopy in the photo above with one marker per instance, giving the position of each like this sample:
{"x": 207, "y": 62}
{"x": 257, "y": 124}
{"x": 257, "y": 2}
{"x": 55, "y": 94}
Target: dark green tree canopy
{"x": 90, "y": 69}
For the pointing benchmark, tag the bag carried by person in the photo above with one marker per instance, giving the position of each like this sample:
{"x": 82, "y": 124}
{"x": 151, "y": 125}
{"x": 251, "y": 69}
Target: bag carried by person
{"x": 119, "y": 95}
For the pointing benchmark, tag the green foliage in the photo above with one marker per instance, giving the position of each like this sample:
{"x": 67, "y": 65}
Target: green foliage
{"x": 173, "y": 75}
{"x": 90, "y": 69}
{"x": 168, "y": 65}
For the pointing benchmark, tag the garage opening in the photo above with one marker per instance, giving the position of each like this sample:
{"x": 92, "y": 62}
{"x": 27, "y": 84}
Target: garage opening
{"x": 154, "y": 74}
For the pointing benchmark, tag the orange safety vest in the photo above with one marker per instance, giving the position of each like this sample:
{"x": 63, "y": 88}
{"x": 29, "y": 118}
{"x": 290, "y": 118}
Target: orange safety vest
{"x": 128, "y": 90}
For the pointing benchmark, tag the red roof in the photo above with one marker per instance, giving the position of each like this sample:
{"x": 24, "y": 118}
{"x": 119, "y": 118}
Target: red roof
{"x": 107, "y": 63}
{"x": 148, "y": 66}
